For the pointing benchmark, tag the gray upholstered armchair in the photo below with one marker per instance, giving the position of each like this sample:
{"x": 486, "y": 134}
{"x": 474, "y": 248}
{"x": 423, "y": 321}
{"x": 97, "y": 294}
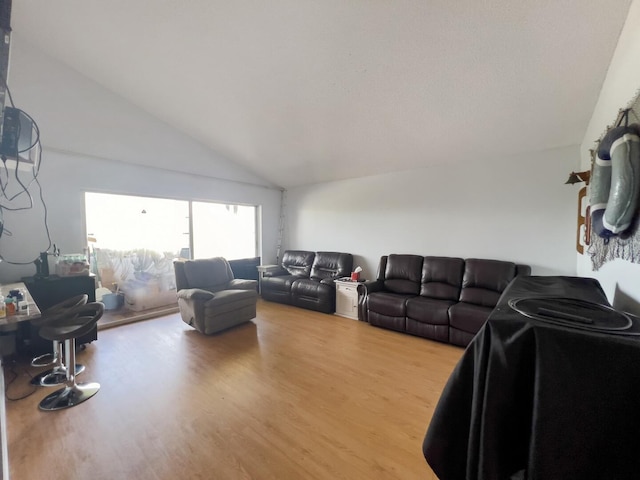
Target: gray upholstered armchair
{"x": 210, "y": 299}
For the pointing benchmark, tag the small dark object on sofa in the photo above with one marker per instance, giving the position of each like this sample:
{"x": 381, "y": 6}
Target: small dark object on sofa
{"x": 442, "y": 298}
{"x": 306, "y": 279}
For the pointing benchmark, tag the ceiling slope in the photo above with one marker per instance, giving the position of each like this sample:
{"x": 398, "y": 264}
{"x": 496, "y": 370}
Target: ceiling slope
{"x": 302, "y": 91}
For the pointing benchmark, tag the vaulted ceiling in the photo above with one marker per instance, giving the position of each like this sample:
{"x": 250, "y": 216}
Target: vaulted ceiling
{"x": 306, "y": 91}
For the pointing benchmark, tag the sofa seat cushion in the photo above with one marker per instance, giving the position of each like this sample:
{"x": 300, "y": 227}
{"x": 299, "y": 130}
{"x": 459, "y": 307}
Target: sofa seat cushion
{"x": 467, "y": 317}
{"x": 281, "y": 283}
{"x": 227, "y": 301}
{"x": 278, "y": 289}
{"x": 307, "y": 287}
{"x": 314, "y": 295}
{"x": 480, "y": 296}
{"x": 388, "y": 304}
{"x": 228, "y": 296}
{"x": 429, "y": 310}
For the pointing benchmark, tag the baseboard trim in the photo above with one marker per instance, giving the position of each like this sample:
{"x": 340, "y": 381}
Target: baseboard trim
{"x": 137, "y": 318}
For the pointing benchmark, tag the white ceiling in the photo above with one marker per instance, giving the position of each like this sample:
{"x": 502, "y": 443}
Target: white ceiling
{"x": 306, "y": 91}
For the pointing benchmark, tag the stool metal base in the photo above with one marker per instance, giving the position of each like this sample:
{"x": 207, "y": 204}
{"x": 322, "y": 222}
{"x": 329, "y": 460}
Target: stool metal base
{"x": 68, "y": 397}
{"x": 45, "y": 360}
{"x": 54, "y": 377}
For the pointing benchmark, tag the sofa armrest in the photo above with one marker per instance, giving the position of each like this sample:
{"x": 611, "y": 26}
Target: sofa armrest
{"x": 195, "y": 294}
{"x": 243, "y": 284}
{"x": 276, "y": 272}
{"x": 364, "y": 289}
{"x": 331, "y": 281}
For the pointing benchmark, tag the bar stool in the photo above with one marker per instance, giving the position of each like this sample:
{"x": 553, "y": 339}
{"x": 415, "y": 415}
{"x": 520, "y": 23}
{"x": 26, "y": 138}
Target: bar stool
{"x": 57, "y": 374}
{"x": 75, "y": 323}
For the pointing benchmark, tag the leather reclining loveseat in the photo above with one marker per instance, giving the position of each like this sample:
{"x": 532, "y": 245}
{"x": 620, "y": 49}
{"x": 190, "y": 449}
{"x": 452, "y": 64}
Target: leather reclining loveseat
{"x": 442, "y": 298}
{"x": 306, "y": 279}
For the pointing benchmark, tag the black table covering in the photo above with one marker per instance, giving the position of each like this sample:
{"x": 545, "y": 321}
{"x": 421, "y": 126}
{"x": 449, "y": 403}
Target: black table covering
{"x": 534, "y": 400}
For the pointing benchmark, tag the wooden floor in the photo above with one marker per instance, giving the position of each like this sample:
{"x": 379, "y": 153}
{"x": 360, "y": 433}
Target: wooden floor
{"x": 293, "y": 395}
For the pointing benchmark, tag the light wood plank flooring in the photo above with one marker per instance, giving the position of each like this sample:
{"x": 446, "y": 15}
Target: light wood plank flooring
{"x": 293, "y": 395}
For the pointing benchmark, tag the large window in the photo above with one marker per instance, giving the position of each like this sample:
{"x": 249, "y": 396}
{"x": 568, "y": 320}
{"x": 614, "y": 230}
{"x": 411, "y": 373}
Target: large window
{"x": 123, "y": 222}
{"x": 224, "y": 230}
{"x": 127, "y": 223}
{"x": 133, "y": 242}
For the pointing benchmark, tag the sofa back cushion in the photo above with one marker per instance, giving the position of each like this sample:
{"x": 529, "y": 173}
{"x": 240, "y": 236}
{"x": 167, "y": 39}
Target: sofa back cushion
{"x": 212, "y": 274}
{"x": 442, "y": 277}
{"x": 298, "y": 262}
{"x": 331, "y": 265}
{"x": 403, "y": 273}
{"x": 484, "y": 281}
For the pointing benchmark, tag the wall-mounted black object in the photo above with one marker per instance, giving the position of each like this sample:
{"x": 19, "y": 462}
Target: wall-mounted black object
{"x": 5, "y": 44}
{"x": 17, "y": 134}
{"x": 5, "y": 14}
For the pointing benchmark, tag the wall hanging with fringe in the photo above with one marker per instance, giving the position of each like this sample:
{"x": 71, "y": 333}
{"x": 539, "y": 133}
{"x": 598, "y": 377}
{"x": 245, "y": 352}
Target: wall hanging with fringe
{"x": 614, "y": 190}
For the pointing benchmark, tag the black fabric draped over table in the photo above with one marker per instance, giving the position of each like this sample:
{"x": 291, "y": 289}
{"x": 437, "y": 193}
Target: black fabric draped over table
{"x": 534, "y": 399}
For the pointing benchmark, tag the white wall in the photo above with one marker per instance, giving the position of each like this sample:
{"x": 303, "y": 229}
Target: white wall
{"x": 76, "y": 114}
{"x": 620, "y": 279}
{"x": 515, "y": 209}
{"x": 88, "y": 134}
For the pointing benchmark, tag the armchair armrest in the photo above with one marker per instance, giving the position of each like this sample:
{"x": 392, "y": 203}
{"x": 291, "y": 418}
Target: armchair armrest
{"x": 195, "y": 294}
{"x": 276, "y": 272}
{"x": 242, "y": 284}
{"x": 364, "y": 289}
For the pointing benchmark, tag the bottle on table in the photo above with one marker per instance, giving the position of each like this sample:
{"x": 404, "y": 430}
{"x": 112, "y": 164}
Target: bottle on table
{"x": 10, "y": 306}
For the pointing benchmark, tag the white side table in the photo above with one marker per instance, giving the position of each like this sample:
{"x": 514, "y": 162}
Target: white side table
{"x": 262, "y": 269}
{"x": 347, "y": 298}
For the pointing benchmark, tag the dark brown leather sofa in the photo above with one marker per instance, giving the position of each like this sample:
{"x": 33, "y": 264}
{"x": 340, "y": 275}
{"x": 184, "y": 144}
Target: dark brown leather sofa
{"x": 305, "y": 279}
{"x": 442, "y": 298}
